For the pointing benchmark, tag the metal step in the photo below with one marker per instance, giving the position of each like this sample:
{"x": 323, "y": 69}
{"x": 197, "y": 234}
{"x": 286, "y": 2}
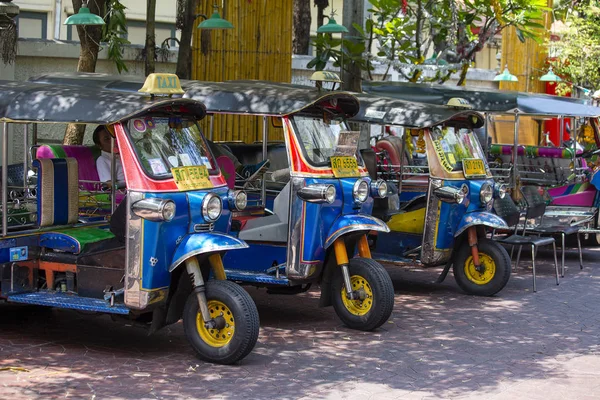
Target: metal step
{"x": 254, "y": 277}
{"x": 71, "y": 301}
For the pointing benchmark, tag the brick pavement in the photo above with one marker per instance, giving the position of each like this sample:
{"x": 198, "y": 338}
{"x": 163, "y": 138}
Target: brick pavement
{"x": 439, "y": 343}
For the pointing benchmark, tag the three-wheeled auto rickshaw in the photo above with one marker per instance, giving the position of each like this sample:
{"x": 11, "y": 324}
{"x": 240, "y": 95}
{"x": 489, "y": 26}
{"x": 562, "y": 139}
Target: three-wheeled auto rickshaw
{"x": 320, "y": 216}
{"x": 446, "y": 192}
{"x": 520, "y": 150}
{"x": 56, "y": 247}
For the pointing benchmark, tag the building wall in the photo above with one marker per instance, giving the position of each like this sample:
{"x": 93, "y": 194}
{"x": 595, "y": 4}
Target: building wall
{"x": 39, "y": 19}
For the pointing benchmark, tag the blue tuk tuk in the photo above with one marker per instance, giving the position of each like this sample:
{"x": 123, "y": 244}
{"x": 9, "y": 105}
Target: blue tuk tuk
{"x": 142, "y": 249}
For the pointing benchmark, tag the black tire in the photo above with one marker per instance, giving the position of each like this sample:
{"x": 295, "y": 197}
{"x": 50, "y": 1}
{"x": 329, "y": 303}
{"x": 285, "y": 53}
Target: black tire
{"x": 245, "y": 322}
{"x": 378, "y": 308}
{"x": 480, "y": 285}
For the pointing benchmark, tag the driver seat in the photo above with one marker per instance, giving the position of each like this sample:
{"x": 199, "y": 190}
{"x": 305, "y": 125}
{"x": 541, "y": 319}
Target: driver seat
{"x": 272, "y": 228}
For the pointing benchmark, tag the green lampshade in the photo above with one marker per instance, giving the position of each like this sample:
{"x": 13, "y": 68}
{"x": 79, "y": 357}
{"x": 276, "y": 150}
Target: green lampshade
{"x": 84, "y": 17}
{"x": 215, "y": 22}
{"x": 506, "y": 76}
{"x": 550, "y": 76}
{"x": 332, "y": 27}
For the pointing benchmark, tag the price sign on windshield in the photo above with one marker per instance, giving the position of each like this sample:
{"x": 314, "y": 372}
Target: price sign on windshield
{"x": 344, "y": 167}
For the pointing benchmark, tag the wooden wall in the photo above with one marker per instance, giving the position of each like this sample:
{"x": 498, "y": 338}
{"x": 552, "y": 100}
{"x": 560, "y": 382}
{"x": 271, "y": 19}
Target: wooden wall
{"x": 525, "y": 60}
{"x": 258, "y": 47}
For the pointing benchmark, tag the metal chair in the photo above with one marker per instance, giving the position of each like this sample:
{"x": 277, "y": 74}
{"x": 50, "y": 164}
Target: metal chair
{"x": 508, "y": 210}
{"x": 536, "y": 208}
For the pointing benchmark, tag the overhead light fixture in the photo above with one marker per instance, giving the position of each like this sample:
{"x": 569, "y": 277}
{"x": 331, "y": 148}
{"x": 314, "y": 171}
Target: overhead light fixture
{"x": 506, "y": 76}
{"x": 215, "y": 21}
{"x": 332, "y": 26}
{"x": 550, "y": 76}
{"x": 84, "y": 17}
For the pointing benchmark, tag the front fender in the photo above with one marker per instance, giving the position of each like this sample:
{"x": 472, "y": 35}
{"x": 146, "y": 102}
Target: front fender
{"x": 202, "y": 243}
{"x": 480, "y": 218}
{"x": 352, "y": 223}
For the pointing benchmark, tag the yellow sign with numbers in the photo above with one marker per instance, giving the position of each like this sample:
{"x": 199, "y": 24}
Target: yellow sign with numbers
{"x": 191, "y": 178}
{"x": 344, "y": 167}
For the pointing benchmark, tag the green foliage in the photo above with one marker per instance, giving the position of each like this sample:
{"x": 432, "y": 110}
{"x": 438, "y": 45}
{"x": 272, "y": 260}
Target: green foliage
{"x": 113, "y": 33}
{"x": 578, "y": 50}
{"x": 453, "y": 30}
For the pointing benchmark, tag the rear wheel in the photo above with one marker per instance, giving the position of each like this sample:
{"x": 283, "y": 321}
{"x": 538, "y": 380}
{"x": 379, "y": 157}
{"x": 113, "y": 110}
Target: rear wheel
{"x": 493, "y": 274}
{"x": 236, "y": 316}
{"x": 374, "y": 286}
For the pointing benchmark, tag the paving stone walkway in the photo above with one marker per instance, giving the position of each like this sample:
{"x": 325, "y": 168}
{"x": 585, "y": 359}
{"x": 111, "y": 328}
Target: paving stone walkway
{"x": 439, "y": 343}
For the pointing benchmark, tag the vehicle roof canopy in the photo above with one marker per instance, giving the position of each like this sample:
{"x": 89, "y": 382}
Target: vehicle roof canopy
{"x": 390, "y": 111}
{"x": 40, "y": 102}
{"x": 485, "y": 100}
{"x": 232, "y": 97}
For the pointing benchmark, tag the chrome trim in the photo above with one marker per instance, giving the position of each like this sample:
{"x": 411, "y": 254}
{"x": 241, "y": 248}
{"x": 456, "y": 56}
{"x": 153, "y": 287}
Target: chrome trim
{"x": 486, "y": 185}
{"x": 449, "y": 194}
{"x": 500, "y": 190}
{"x": 4, "y": 178}
{"x": 295, "y": 269}
{"x": 480, "y": 223}
{"x": 207, "y": 249}
{"x": 429, "y": 255}
{"x": 134, "y": 296}
{"x": 355, "y": 188}
{"x": 205, "y": 202}
{"x": 316, "y": 193}
{"x": 375, "y": 186}
{"x": 232, "y": 195}
{"x": 203, "y": 228}
{"x": 152, "y": 209}
{"x": 382, "y": 227}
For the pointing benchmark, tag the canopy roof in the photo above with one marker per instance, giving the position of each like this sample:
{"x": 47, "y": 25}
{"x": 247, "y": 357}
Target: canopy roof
{"x": 232, "y": 97}
{"x": 485, "y": 100}
{"x": 390, "y": 111}
{"x": 39, "y": 102}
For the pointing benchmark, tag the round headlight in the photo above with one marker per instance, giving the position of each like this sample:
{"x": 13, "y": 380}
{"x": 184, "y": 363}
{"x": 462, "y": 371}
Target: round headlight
{"x": 460, "y": 196}
{"x": 501, "y": 190}
{"x": 379, "y": 188}
{"x": 240, "y": 200}
{"x": 361, "y": 191}
{"x": 211, "y": 207}
{"x": 168, "y": 211}
{"x": 330, "y": 194}
{"x": 486, "y": 194}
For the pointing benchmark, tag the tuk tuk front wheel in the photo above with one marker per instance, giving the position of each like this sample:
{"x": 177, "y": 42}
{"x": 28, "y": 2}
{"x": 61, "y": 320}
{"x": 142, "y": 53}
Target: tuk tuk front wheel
{"x": 493, "y": 274}
{"x": 237, "y": 315}
{"x": 376, "y": 302}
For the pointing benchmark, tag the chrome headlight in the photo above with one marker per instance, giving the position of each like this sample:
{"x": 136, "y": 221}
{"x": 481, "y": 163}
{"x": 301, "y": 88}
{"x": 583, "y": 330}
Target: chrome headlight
{"x": 154, "y": 209}
{"x": 238, "y": 199}
{"x": 486, "y": 194}
{"x": 450, "y": 194}
{"x": 211, "y": 207}
{"x": 501, "y": 190}
{"x": 317, "y": 193}
{"x": 379, "y": 188}
{"x": 360, "y": 191}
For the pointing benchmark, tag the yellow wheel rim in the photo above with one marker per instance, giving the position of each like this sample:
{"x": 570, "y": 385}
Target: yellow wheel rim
{"x": 483, "y": 277}
{"x": 217, "y": 337}
{"x": 358, "y": 307}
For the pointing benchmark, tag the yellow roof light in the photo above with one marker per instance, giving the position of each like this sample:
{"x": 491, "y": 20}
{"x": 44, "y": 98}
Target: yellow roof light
{"x": 162, "y": 84}
{"x": 457, "y": 102}
{"x": 325, "y": 76}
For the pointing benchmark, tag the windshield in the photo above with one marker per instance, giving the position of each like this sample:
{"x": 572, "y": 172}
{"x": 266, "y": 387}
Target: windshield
{"x": 162, "y": 143}
{"x": 453, "y": 145}
{"x": 321, "y": 140}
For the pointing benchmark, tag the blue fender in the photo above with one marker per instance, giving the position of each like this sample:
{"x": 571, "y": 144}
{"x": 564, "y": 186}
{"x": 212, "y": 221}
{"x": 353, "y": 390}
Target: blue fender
{"x": 351, "y": 223}
{"x": 480, "y": 218}
{"x": 201, "y": 243}
{"x": 595, "y": 180}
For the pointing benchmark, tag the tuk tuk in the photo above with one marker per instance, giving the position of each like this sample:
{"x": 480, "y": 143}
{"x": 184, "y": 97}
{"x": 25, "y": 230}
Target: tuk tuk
{"x": 321, "y": 210}
{"x": 520, "y": 149}
{"x": 444, "y": 194}
{"x": 150, "y": 261}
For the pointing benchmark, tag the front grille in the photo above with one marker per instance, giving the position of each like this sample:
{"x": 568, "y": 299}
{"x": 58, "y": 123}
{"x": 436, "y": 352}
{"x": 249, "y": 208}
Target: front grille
{"x": 204, "y": 227}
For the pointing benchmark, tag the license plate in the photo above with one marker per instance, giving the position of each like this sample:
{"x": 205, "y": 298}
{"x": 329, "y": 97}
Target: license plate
{"x": 191, "y": 178}
{"x": 473, "y": 167}
{"x": 344, "y": 167}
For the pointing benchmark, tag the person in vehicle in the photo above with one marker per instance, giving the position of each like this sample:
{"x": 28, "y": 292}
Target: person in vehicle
{"x": 102, "y": 139}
